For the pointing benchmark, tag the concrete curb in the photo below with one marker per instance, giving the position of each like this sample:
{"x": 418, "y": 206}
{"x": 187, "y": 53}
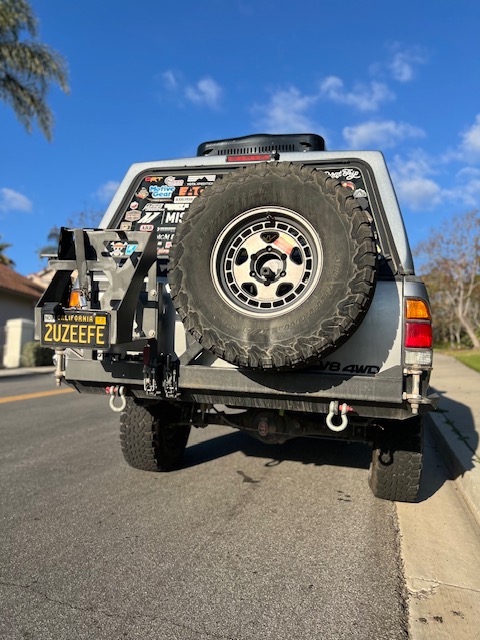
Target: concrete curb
{"x": 455, "y": 426}
{"x": 459, "y": 458}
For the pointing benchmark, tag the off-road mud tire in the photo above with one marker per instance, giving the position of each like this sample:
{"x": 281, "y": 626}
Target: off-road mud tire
{"x": 397, "y": 460}
{"x": 332, "y": 304}
{"x": 149, "y": 437}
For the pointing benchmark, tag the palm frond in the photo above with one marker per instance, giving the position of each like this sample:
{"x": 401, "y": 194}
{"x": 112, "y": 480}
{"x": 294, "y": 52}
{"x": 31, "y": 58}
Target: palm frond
{"x": 34, "y": 61}
{"x": 16, "y": 16}
{"x": 28, "y": 103}
{"x": 27, "y": 67}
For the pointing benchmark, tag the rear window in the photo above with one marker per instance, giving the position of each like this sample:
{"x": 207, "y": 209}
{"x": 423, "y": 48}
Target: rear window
{"x": 158, "y": 200}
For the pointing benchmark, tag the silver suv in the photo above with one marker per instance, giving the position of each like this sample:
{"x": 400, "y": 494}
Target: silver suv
{"x": 265, "y": 284}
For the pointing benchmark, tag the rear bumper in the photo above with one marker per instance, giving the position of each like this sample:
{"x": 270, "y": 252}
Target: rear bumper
{"x": 378, "y": 396}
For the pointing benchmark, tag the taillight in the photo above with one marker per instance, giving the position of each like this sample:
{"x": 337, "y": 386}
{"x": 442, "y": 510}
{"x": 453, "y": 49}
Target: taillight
{"x": 418, "y": 336}
{"x": 418, "y": 339}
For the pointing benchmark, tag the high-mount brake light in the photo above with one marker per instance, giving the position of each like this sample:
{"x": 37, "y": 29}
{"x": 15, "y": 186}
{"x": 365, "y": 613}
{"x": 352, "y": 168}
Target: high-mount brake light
{"x": 254, "y": 157}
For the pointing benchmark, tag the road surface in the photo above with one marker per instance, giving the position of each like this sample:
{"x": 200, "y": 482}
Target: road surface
{"x": 245, "y": 542}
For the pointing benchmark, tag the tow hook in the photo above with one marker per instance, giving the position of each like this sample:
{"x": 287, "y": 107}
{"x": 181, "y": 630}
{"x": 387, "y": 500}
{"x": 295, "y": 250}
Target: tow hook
{"x": 117, "y": 392}
{"x": 334, "y": 408}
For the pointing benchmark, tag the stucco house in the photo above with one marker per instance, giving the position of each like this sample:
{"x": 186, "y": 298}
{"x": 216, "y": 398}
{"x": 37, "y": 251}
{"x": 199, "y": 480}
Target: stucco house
{"x": 18, "y": 296}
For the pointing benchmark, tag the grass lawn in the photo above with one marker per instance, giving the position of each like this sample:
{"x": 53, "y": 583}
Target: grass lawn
{"x": 470, "y": 357}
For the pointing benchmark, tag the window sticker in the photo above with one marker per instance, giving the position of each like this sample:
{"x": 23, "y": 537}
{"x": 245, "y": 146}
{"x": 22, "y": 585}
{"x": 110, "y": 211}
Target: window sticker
{"x": 159, "y": 204}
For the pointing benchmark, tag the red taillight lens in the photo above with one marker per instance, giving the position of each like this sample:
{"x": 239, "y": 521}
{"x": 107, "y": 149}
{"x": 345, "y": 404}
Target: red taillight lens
{"x": 418, "y": 335}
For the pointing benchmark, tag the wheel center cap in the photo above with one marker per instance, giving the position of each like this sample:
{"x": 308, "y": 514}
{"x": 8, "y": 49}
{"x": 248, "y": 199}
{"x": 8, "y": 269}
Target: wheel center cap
{"x": 267, "y": 267}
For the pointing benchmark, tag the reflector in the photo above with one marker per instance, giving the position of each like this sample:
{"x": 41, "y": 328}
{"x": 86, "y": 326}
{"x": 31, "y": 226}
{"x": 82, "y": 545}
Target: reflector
{"x": 418, "y": 358}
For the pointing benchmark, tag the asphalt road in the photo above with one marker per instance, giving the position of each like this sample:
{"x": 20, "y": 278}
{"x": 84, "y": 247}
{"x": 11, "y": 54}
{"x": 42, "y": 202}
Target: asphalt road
{"x": 245, "y": 542}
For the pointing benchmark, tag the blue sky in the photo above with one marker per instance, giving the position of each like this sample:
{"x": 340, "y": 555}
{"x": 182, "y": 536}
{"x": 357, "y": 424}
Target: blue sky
{"x": 151, "y": 80}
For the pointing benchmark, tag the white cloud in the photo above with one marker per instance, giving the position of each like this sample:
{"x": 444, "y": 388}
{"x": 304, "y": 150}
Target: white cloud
{"x": 468, "y": 186}
{"x": 402, "y": 66}
{"x": 364, "y": 97}
{"x": 413, "y": 184}
{"x": 380, "y": 134}
{"x": 205, "y": 92}
{"x": 107, "y": 190}
{"x": 169, "y": 79}
{"x": 416, "y": 185}
{"x": 286, "y": 112}
{"x": 470, "y": 145}
{"x": 13, "y": 200}
{"x": 418, "y": 193}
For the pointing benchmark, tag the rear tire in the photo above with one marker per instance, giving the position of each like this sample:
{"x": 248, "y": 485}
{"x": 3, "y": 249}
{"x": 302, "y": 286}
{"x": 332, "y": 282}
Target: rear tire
{"x": 397, "y": 460}
{"x": 150, "y": 438}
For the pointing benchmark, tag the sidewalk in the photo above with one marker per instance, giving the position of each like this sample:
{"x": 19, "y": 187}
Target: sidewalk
{"x": 25, "y": 371}
{"x": 455, "y": 425}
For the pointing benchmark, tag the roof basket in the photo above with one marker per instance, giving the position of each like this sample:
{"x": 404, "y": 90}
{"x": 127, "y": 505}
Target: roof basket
{"x": 262, "y": 143}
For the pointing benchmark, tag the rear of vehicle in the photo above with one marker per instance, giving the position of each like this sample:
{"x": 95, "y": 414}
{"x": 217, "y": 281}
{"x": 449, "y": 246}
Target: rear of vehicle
{"x": 265, "y": 275}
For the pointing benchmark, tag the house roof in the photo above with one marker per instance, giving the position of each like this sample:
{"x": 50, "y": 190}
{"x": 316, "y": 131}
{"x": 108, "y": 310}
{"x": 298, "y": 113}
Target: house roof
{"x": 13, "y": 282}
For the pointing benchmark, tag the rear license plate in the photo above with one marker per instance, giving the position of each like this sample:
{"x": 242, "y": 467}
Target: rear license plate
{"x": 85, "y": 329}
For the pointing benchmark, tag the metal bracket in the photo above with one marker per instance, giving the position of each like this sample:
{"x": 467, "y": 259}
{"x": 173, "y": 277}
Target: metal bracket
{"x": 170, "y": 375}
{"x": 161, "y": 377}
{"x": 414, "y": 398}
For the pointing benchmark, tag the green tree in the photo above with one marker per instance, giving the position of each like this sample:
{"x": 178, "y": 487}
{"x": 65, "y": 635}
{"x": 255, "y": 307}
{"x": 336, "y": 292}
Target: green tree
{"x": 451, "y": 261}
{"x": 4, "y": 259}
{"x": 52, "y": 243}
{"x": 27, "y": 67}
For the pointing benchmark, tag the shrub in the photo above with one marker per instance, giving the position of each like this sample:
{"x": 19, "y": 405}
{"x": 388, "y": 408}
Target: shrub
{"x": 33, "y": 355}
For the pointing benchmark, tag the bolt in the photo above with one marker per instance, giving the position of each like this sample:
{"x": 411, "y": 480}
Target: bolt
{"x": 153, "y": 293}
{"x": 283, "y": 274}
{"x": 252, "y": 274}
{"x": 269, "y": 248}
{"x": 263, "y": 428}
{"x": 152, "y": 333}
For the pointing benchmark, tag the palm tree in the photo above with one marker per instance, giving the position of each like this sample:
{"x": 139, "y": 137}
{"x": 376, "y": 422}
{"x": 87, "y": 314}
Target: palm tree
{"x": 4, "y": 259}
{"x": 52, "y": 245}
{"x": 27, "y": 67}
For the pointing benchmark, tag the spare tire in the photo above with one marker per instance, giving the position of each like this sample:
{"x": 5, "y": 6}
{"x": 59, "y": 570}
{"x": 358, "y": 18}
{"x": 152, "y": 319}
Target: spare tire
{"x": 273, "y": 266}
